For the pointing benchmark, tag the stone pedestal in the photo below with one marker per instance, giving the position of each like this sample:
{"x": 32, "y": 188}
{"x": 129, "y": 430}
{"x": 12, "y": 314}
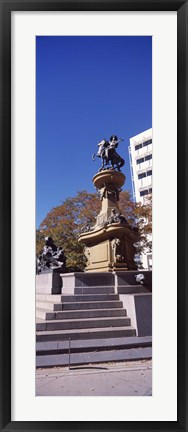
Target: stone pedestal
{"x": 109, "y": 245}
{"x": 71, "y": 281}
{"x": 49, "y": 282}
{"x": 122, "y": 282}
{"x": 139, "y": 309}
{"x": 109, "y": 184}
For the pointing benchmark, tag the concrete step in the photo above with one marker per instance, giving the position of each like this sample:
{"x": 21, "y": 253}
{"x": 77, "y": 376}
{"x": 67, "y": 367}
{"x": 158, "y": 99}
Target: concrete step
{"x": 79, "y": 306}
{"x": 62, "y": 347}
{"x": 49, "y": 306}
{"x": 80, "y": 334}
{"x": 88, "y": 297}
{"x": 93, "y": 305}
{"x": 93, "y": 357}
{"x": 52, "y": 298}
{"x": 76, "y": 297}
{"x": 73, "y": 314}
{"x": 94, "y": 290}
{"x": 132, "y": 289}
{"x": 82, "y": 323}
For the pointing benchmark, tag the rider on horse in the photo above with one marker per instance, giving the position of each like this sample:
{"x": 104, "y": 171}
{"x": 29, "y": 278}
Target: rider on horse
{"x": 107, "y": 152}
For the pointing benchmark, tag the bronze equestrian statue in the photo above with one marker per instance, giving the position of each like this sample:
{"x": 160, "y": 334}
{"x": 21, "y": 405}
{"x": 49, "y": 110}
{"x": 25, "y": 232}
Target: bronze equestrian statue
{"x": 107, "y": 152}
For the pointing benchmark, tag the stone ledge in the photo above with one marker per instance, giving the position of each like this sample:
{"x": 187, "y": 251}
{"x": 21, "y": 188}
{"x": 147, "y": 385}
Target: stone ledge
{"x": 139, "y": 309}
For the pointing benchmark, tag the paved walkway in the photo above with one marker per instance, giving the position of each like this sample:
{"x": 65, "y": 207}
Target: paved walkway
{"x": 109, "y": 379}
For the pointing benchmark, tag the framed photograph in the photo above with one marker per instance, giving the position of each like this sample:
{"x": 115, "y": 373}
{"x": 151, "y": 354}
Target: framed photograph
{"x": 31, "y": 42}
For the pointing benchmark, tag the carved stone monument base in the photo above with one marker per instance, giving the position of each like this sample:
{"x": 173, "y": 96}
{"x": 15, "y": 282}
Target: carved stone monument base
{"x": 101, "y": 258}
{"x": 111, "y": 255}
{"x": 109, "y": 245}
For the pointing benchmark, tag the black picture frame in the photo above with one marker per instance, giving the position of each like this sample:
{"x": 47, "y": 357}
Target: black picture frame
{"x": 6, "y": 7}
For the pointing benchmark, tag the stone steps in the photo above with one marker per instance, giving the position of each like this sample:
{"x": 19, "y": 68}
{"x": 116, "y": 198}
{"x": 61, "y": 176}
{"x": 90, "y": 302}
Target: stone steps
{"x": 93, "y": 305}
{"x": 109, "y": 344}
{"x": 48, "y": 298}
{"x": 73, "y": 314}
{"x": 91, "y": 319}
{"x": 80, "y": 305}
{"x": 47, "y": 305}
{"x": 65, "y": 298}
{"x": 94, "y": 290}
{"x": 124, "y": 289}
{"x": 83, "y": 323}
{"x": 84, "y": 296}
{"x": 88, "y": 333}
{"x": 93, "y": 357}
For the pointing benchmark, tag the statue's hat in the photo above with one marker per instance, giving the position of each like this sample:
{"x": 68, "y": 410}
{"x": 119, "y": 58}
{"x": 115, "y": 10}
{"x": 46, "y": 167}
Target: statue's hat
{"x": 114, "y": 137}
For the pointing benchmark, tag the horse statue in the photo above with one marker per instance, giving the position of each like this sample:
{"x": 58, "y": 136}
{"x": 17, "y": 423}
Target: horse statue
{"x": 107, "y": 152}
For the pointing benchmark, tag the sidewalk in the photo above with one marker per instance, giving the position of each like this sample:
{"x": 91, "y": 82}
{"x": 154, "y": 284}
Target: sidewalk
{"x": 105, "y": 379}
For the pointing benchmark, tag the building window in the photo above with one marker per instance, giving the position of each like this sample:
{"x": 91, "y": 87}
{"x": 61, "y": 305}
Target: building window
{"x": 145, "y": 143}
{"x": 140, "y": 161}
{"x": 149, "y": 173}
{"x": 142, "y": 175}
{"x": 144, "y": 192}
{"x": 148, "y": 157}
{"x": 144, "y": 159}
{"x": 138, "y": 146}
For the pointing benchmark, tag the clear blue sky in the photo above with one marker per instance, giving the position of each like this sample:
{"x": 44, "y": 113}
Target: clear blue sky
{"x": 87, "y": 88}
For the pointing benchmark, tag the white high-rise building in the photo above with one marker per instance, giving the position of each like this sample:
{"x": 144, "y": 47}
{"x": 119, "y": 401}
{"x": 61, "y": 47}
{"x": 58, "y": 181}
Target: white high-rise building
{"x": 140, "y": 156}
